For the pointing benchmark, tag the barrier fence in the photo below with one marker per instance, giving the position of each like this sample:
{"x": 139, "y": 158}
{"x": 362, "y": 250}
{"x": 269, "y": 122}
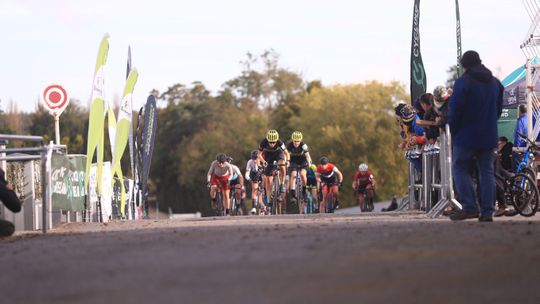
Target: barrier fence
{"x": 431, "y": 190}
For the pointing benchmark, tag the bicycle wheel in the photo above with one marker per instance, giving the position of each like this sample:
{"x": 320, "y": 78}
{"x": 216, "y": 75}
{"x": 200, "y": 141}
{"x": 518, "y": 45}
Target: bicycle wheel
{"x": 275, "y": 195}
{"x": 219, "y": 204}
{"x": 529, "y": 172}
{"x": 525, "y": 195}
{"x": 309, "y": 203}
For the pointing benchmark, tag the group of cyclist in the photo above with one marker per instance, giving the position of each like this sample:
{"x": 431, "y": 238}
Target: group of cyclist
{"x": 274, "y": 159}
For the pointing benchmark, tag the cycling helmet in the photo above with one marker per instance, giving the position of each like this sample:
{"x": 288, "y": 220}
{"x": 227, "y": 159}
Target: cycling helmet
{"x": 229, "y": 159}
{"x": 363, "y": 167}
{"x": 324, "y": 160}
{"x": 407, "y": 113}
{"x": 297, "y": 136}
{"x": 221, "y": 158}
{"x": 254, "y": 154}
{"x": 440, "y": 96}
{"x": 272, "y": 135}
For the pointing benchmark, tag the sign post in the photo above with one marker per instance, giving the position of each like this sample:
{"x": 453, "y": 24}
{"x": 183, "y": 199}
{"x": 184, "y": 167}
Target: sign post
{"x": 55, "y": 99}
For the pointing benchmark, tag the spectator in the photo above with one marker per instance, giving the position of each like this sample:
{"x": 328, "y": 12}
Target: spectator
{"x": 432, "y": 132}
{"x": 504, "y": 149}
{"x": 411, "y": 133}
{"x": 441, "y": 96}
{"x": 10, "y": 199}
{"x": 521, "y": 127}
{"x": 475, "y": 106}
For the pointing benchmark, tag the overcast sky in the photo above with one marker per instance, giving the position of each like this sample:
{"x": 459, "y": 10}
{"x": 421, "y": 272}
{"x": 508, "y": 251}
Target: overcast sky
{"x": 339, "y": 41}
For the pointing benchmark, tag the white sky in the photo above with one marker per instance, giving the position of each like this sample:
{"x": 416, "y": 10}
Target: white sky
{"x": 339, "y": 41}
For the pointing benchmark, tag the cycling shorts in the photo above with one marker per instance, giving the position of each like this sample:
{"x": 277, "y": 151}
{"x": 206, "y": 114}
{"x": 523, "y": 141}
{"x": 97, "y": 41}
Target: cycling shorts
{"x": 296, "y": 166}
{"x": 330, "y": 181}
{"x": 234, "y": 182}
{"x": 220, "y": 181}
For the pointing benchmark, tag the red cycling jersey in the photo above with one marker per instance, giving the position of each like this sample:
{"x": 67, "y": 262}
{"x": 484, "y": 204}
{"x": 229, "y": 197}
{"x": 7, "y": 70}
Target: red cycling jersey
{"x": 363, "y": 179}
{"x": 326, "y": 172}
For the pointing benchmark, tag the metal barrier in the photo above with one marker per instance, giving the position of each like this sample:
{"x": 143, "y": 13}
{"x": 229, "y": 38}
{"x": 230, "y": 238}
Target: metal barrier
{"x": 44, "y": 155}
{"x": 436, "y": 179}
{"x": 447, "y": 190}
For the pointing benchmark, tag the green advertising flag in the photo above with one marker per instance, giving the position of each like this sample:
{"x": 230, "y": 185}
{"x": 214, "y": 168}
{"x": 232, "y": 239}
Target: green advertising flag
{"x": 97, "y": 116}
{"x": 122, "y": 133}
{"x": 67, "y": 182}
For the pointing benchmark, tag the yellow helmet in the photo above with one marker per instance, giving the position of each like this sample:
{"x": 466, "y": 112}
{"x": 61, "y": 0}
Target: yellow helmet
{"x": 272, "y": 135}
{"x": 297, "y": 136}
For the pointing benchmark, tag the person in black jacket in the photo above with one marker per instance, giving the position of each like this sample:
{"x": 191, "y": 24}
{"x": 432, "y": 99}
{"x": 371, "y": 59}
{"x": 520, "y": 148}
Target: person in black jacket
{"x": 475, "y": 106}
{"x": 504, "y": 148}
{"x": 10, "y": 199}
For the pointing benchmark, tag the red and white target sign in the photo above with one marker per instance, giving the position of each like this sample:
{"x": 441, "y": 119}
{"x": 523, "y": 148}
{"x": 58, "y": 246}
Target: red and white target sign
{"x": 55, "y": 99}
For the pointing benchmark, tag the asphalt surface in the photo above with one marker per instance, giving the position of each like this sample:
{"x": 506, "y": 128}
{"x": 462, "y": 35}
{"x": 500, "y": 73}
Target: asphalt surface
{"x": 340, "y": 258}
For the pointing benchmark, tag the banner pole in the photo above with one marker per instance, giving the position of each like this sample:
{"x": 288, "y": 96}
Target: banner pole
{"x": 57, "y": 128}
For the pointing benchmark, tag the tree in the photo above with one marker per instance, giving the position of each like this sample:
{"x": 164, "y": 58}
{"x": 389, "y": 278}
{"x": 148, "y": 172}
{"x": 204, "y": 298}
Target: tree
{"x": 452, "y": 76}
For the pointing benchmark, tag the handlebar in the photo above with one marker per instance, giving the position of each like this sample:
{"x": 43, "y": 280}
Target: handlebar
{"x": 533, "y": 144}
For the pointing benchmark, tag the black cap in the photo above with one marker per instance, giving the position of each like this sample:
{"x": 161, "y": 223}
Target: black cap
{"x": 469, "y": 59}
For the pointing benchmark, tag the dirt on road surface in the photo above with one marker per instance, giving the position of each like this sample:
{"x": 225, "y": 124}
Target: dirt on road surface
{"x": 341, "y": 258}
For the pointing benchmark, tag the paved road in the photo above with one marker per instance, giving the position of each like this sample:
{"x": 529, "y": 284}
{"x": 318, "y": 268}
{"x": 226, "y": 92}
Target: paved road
{"x": 366, "y": 258}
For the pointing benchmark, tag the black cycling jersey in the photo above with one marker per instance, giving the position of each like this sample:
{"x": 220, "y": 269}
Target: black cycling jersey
{"x": 272, "y": 153}
{"x": 298, "y": 155}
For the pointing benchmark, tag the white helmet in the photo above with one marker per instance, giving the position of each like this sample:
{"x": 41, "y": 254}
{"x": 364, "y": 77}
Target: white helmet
{"x": 363, "y": 167}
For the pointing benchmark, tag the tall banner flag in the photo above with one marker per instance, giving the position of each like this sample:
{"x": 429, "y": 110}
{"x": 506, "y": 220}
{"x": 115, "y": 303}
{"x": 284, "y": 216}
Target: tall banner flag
{"x": 122, "y": 134}
{"x": 149, "y": 133}
{"x": 97, "y": 116}
{"x": 418, "y": 74}
{"x": 458, "y": 39}
{"x": 131, "y": 147}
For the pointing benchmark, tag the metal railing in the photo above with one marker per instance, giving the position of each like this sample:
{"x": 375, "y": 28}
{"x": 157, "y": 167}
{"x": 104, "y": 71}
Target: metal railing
{"x": 43, "y": 155}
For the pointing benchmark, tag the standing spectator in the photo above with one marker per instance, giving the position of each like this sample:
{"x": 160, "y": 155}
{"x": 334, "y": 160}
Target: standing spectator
{"x": 521, "y": 127}
{"x": 475, "y": 106}
{"x": 10, "y": 199}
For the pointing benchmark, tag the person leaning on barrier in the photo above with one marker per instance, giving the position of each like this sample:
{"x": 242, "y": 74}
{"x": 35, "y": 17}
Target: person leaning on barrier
{"x": 411, "y": 133}
{"x": 475, "y": 106}
{"x": 11, "y": 201}
{"x": 432, "y": 132}
{"x": 441, "y": 97}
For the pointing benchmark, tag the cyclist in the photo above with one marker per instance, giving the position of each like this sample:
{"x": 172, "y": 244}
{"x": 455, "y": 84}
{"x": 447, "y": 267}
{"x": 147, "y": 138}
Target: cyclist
{"x": 218, "y": 175}
{"x": 363, "y": 183}
{"x": 300, "y": 161}
{"x": 253, "y": 174}
{"x": 236, "y": 181}
{"x": 272, "y": 149}
{"x": 328, "y": 176}
{"x": 312, "y": 185}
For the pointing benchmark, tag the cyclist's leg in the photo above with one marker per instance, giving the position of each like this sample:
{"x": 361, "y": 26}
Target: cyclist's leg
{"x": 292, "y": 181}
{"x": 360, "y": 198}
{"x": 213, "y": 190}
{"x": 226, "y": 197}
{"x": 303, "y": 173}
{"x": 322, "y": 205}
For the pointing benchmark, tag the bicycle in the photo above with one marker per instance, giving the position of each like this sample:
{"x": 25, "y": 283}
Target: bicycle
{"x": 218, "y": 208}
{"x": 309, "y": 208}
{"x": 367, "y": 202}
{"x": 259, "y": 203}
{"x": 520, "y": 191}
{"x": 236, "y": 205}
{"x": 275, "y": 193}
{"x": 298, "y": 187}
{"x": 331, "y": 199}
{"x": 527, "y": 161}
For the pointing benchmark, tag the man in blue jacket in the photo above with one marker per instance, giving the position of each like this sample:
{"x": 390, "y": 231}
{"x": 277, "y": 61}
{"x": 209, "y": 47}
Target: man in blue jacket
{"x": 475, "y": 106}
{"x": 521, "y": 127}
